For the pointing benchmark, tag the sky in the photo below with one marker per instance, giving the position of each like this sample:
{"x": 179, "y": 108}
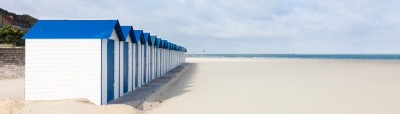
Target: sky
{"x": 244, "y": 26}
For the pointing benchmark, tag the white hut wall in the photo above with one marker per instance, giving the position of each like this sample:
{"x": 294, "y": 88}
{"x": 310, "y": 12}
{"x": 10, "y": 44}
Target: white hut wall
{"x": 54, "y": 69}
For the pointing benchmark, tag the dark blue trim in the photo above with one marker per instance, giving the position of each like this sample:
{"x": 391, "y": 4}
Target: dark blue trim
{"x": 119, "y": 69}
{"x": 137, "y": 65}
{"x": 145, "y": 64}
{"x": 125, "y": 65}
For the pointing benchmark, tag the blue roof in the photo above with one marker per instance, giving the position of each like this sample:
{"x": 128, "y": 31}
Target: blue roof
{"x": 165, "y": 43}
{"x": 174, "y": 46}
{"x": 158, "y": 41}
{"x": 74, "y": 29}
{"x": 128, "y": 30}
{"x": 153, "y": 39}
{"x": 161, "y": 43}
{"x": 147, "y": 38}
{"x": 168, "y": 45}
{"x": 139, "y": 36}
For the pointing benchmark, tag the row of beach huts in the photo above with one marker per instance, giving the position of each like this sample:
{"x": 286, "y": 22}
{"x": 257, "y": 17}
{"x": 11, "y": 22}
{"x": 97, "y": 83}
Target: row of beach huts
{"x": 95, "y": 59}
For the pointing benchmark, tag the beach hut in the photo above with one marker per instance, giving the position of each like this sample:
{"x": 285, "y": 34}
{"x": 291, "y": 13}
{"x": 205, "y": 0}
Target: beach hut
{"x": 123, "y": 64}
{"x": 171, "y": 49}
{"x": 131, "y": 40}
{"x": 181, "y": 54}
{"x": 140, "y": 57}
{"x": 164, "y": 57}
{"x": 72, "y": 59}
{"x": 176, "y": 55}
{"x": 156, "y": 55}
{"x": 152, "y": 41}
{"x": 179, "y": 49}
{"x": 159, "y": 41}
{"x": 159, "y": 72}
{"x": 147, "y": 57}
{"x": 184, "y": 54}
{"x": 175, "y": 64}
{"x": 169, "y": 56}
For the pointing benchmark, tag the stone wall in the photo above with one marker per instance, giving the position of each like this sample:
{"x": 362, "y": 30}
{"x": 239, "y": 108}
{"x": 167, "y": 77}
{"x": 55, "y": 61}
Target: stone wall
{"x": 12, "y": 62}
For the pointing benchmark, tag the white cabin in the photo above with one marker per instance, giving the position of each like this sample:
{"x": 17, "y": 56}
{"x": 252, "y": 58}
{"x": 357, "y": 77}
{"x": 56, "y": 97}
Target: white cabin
{"x": 72, "y": 59}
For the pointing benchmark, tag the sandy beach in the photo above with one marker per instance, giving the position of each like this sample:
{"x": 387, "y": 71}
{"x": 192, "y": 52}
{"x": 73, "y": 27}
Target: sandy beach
{"x": 281, "y": 86}
{"x": 12, "y": 102}
{"x": 249, "y": 85}
{"x": 12, "y": 88}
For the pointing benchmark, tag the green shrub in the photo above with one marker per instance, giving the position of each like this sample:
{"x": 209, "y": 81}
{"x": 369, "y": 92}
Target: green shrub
{"x": 10, "y": 35}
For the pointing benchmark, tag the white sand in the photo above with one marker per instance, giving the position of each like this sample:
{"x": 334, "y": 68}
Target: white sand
{"x": 12, "y": 88}
{"x": 249, "y": 86}
{"x": 281, "y": 86}
{"x": 71, "y": 106}
{"x": 12, "y": 102}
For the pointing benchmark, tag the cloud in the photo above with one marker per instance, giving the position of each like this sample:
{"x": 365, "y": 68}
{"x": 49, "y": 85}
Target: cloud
{"x": 238, "y": 26}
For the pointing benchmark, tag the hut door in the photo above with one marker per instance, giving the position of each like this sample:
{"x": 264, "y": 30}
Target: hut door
{"x": 137, "y": 60}
{"x": 125, "y": 63}
{"x": 110, "y": 70}
{"x": 145, "y": 64}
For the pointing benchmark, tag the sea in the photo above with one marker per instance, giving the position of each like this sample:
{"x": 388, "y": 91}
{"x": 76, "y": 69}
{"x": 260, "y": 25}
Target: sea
{"x": 305, "y": 56}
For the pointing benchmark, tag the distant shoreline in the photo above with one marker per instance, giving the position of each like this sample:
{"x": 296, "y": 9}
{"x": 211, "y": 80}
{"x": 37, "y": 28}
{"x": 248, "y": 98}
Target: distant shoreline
{"x": 303, "y": 56}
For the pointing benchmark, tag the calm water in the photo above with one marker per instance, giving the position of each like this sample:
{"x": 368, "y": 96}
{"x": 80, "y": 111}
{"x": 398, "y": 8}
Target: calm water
{"x": 313, "y": 56}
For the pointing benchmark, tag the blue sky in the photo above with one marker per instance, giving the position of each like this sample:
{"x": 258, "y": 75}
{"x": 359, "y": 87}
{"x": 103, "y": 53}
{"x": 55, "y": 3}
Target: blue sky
{"x": 244, "y": 26}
